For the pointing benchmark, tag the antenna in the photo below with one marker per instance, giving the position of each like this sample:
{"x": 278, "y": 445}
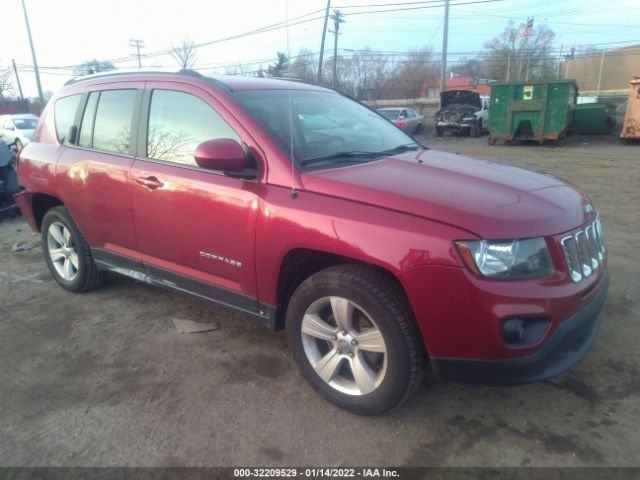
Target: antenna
{"x": 294, "y": 193}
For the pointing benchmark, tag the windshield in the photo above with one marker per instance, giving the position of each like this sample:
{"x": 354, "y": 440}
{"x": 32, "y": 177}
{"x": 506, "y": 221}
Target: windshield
{"x": 25, "y": 123}
{"x": 327, "y": 128}
{"x": 389, "y": 114}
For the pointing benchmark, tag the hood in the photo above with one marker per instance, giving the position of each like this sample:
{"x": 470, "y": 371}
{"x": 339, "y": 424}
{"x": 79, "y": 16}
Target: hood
{"x": 460, "y": 97}
{"x": 491, "y": 200}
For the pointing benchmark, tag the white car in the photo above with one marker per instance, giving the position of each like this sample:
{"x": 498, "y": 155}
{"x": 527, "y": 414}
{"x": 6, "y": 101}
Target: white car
{"x": 18, "y": 127}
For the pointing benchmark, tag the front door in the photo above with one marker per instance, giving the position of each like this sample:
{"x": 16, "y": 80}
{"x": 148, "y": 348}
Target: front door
{"x": 195, "y": 227}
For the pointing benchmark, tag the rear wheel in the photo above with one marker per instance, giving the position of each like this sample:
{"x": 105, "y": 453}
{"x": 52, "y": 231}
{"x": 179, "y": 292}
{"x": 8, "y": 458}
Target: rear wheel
{"x": 354, "y": 339}
{"x": 67, "y": 254}
{"x": 418, "y": 128}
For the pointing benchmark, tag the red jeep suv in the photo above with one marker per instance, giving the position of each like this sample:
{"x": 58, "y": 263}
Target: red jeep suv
{"x": 312, "y": 213}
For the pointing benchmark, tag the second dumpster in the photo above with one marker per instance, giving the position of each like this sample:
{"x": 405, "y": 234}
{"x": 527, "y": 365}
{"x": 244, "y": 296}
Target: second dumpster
{"x": 536, "y": 111}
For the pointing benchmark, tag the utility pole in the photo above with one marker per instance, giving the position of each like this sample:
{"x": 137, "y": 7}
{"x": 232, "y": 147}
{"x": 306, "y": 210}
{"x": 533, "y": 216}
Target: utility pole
{"x": 337, "y": 18}
{"x": 137, "y": 44}
{"x": 600, "y": 74}
{"x": 445, "y": 38}
{"x": 324, "y": 33}
{"x": 559, "y": 62}
{"x": 33, "y": 56}
{"x": 15, "y": 70}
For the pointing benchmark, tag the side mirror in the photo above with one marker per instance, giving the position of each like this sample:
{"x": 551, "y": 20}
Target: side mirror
{"x": 222, "y": 154}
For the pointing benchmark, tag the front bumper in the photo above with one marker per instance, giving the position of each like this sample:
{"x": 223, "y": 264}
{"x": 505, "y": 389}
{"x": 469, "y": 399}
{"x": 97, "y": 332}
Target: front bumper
{"x": 561, "y": 350}
{"x": 454, "y": 125}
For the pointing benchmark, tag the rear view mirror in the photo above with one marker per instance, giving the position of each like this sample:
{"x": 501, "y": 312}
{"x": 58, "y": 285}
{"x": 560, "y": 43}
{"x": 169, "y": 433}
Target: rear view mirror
{"x": 223, "y": 154}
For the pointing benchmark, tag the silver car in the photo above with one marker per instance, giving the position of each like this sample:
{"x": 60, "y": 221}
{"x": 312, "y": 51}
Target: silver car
{"x": 404, "y": 118}
{"x": 17, "y": 128}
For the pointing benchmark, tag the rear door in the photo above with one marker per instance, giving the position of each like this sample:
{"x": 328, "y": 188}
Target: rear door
{"x": 93, "y": 171}
{"x": 195, "y": 227}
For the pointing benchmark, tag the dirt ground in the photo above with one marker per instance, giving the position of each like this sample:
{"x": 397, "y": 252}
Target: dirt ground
{"x": 104, "y": 379}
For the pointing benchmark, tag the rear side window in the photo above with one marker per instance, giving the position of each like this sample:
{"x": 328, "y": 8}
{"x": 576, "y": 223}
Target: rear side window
{"x": 65, "y": 114}
{"x": 178, "y": 123}
{"x": 112, "y": 127}
{"x": 86, "y": 129}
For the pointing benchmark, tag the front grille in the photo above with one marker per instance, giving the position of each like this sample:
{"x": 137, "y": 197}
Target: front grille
{"x": 584, "y": 251}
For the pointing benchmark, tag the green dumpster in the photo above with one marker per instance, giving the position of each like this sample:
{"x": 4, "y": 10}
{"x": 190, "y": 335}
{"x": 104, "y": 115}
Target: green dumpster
{"x": 592, "y": 119}
{"x": 531, "y": 110}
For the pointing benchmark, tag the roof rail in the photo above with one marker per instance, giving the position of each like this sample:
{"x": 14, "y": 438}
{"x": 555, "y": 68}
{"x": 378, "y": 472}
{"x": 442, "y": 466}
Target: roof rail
{"x": 113, "y": 73}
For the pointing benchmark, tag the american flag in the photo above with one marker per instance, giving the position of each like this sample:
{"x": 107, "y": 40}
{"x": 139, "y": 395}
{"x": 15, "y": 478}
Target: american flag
{"x": 527, "y": 30}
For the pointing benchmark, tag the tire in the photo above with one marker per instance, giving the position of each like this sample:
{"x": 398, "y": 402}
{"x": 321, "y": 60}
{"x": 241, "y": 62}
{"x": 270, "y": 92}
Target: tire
{"x": 474, "y": 130}
{"x": 439, "y": 131}
{"x": 418, "y": 128}
{"x": 61, "y": 235}
{"x": 389, "y": 368}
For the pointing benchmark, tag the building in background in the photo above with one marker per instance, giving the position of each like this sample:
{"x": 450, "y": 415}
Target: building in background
{"x": 606, "y": 73}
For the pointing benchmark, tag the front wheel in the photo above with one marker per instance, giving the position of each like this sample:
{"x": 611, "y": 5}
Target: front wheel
{"x": 67, "y": 254}
{"x": 354, "y": 338}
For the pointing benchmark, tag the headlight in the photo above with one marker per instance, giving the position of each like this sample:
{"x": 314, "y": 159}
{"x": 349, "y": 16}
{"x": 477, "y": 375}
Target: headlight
{"x": 507, "y": 259}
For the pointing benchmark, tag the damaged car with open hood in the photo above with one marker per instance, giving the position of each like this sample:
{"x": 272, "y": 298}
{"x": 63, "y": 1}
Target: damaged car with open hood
{"x": 462, "y": 112}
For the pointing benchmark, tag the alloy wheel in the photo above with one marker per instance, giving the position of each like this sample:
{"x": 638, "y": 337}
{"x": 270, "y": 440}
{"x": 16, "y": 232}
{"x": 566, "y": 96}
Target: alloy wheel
{"x": 344, "y": 345}
{"x": 62, "y": 251}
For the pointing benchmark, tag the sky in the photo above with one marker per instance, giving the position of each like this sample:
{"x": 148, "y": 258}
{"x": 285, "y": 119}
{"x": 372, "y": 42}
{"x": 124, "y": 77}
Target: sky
{"x": 67, "y": 32}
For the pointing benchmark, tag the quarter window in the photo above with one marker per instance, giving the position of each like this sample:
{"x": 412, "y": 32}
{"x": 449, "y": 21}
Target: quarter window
{"x": 65, "y": 113}
{"x": 112, "y": 128}
{"x": 178, "y": 123}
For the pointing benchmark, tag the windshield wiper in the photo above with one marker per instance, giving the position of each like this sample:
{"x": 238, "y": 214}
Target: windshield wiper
{"x": 349, "y": 156}
{"x": 400, "y": 149}
{"x": 360, "y": 156}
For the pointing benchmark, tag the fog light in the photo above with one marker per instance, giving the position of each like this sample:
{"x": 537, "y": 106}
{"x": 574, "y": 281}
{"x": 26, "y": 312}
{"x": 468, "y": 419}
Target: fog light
{"x": 523, "y": 331}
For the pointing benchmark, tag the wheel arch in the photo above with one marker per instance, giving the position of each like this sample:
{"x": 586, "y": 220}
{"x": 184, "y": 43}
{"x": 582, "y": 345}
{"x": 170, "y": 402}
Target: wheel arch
{"x": 41, "y": 203}
{"x": 300, "y": 263}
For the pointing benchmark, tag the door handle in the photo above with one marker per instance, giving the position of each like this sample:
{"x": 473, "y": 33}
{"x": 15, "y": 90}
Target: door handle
{"x": 152, "y": 183}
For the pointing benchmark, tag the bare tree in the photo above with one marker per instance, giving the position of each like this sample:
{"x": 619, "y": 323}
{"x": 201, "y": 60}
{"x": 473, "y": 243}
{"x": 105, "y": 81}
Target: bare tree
{"x": 184, "y": 53}
{"x": 304, "y": 65}
{"x": 6, "y": 88}
{"x": 240, "y": 69}
{"x": 511, "y": 57}
{"x": 89, "y": 67}
{"x": 412, "y": 71}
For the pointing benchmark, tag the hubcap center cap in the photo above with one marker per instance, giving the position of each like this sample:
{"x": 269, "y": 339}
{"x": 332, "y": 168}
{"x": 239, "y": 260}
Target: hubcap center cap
{"x": 344, "y": 343}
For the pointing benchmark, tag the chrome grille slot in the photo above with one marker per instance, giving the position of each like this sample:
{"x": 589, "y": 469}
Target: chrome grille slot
{"x": 584, "y": 251}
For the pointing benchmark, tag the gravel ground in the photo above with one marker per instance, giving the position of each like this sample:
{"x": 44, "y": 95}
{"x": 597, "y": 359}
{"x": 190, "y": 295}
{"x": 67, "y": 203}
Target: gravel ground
{"x": 104, "y": 378}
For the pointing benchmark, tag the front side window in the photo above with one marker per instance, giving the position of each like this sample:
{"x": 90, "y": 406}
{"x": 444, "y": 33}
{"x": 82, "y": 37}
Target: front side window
{"x": 178, "y": 123}
{"x": 112, "y": 128}
{"x": 65, "y": 114}
{"x": 328, "y": 128}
